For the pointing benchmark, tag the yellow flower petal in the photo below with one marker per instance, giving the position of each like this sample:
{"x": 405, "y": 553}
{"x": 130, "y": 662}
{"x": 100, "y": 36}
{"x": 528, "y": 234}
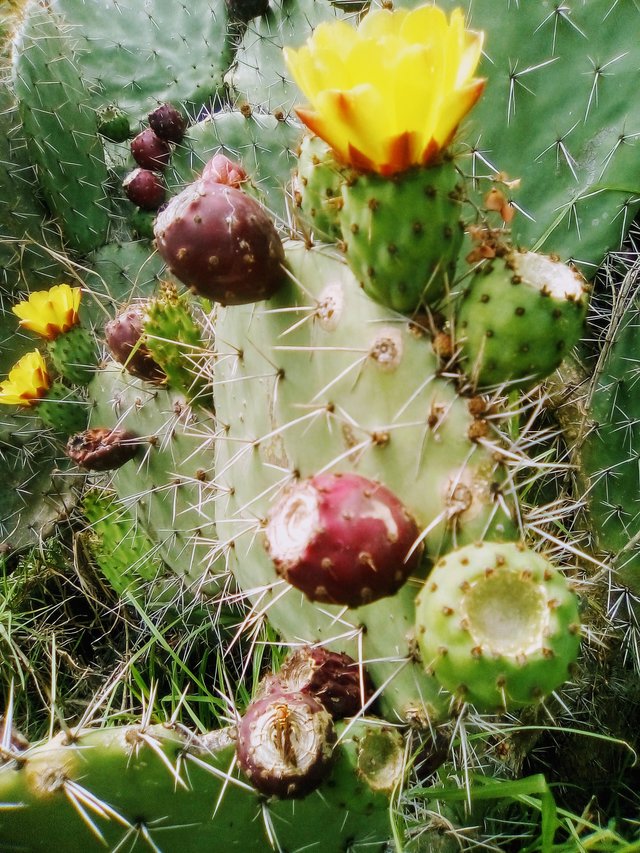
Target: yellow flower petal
{"x": 51, "y": 312}
{"x": 390, "y": 93}
{"x": 28, "y": 381}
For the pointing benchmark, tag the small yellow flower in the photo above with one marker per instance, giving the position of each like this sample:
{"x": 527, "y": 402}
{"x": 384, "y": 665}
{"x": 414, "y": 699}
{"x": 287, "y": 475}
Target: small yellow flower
{"x": 28, "y": 381}
{"x": 50, "y": 312}
{"x": 390, "y": 93}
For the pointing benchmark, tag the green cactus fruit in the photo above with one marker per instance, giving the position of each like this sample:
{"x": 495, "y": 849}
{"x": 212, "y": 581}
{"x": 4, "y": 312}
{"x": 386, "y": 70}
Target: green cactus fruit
{"x": 141, "y": 223}
{"x": 317, "y": 189}
{"x": 62, "y": 410}
{"x": 518, "y": 318}
{"x": 113, "y": 123}
{"x": 176, "y": 342}
{"x": 403, "y": 233}
{"x": 498, "y": 625}
{"x": 74, "y": 355}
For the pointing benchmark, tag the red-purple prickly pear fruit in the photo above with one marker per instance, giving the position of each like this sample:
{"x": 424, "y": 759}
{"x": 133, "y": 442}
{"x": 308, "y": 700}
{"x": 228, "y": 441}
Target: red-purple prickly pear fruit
{"x": 221, "y": 243}
{"x": 168, "y": 123}
{"x": 149, "y": 151}
{"x": 332, "y": 678}
{"x": 125, "y": 339}
{"x": 285, "y": 744}
{"x": 102, "y": 449}
{"x": 221, "y": 170}
{"x": 144, "y": 188}
{"x": 342, "y": 539}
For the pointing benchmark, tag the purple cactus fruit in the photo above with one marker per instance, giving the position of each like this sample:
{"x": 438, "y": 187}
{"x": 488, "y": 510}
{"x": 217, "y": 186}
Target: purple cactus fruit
{"x": 144, "y": 188}
{"x": 342, "y": 539}
{"x": 125, "y": 339}
{"x": 221, "y": 170}
{"x": 102, "y": 449}
{"x": 149, "y": 151}
{"x": 285, "y": 744}
{"x": 332, "y": 678}
{"x": 221, "y": 243}
{"x": 168, "y": 123}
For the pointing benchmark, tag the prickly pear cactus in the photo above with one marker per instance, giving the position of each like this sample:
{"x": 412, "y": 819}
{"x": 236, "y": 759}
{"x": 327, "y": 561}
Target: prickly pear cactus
{"x": 343, "y": 444}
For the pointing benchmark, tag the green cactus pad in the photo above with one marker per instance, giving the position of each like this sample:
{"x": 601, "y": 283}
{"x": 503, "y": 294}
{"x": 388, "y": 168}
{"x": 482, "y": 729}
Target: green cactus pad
{"x": 557, "y": 114}
{"x": 608, "y": 448}
{"x": 317, "y": 189}
{"x": 402, "y": 234}
{"x": 60, "y": 128}
{"x": 171, "y": 490}
{"x": 36, "y": 493}
{"x": 518, "y": 318}
{"x": 321, "y": 378}
{"x": 125, "y": 555}
{"x": 160, "y": 787}
{"x": 138, "y": 55}
{"x": 498, "y": 625}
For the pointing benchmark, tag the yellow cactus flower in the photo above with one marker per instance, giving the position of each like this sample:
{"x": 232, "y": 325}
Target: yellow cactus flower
{"x": 51, "y": 312}
{"x": 390, "y": 93}
{"x": 28, "y": 381}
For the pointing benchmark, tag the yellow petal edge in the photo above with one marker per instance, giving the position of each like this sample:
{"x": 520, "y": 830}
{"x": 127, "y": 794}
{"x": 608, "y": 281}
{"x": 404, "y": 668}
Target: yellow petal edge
{"x": 390, "y": 93}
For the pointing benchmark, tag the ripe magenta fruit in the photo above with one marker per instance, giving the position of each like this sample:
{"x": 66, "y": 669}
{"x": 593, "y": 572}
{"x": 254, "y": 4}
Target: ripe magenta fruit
{"x": 144, "y": 188}
{"x": 342, "y": 539}
{"x": 125, "y": 339}
{"x": 285, "y": 744}
{"x": 221, "y": 243}
{"x": 168, "y": 123}
{"x": 332, "y": 678}
{"x": 149, "y": 151}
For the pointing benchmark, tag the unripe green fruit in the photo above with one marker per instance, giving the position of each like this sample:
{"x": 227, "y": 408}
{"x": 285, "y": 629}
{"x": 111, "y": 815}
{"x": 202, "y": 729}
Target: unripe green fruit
{"x": 317, "y": 188}
{"x": 403, "y": 234}
{"x": 519, "y": 317}
{"x": 113, "y": 123}
{"x": 498, "y": 625}
{"x": 74, "y": 355}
